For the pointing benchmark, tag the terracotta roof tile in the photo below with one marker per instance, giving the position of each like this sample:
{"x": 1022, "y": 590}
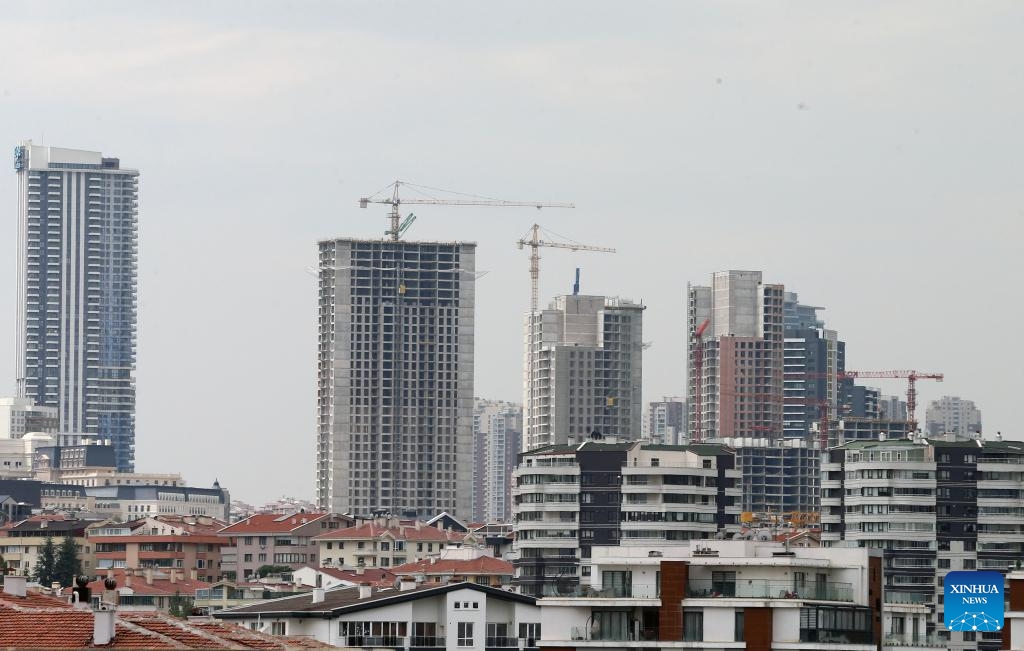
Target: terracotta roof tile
{"x": 410, "y": 533}
{"x": 482, "y": 565}
{"x": 40, "y": 622}
{"x": 272, "y": 523}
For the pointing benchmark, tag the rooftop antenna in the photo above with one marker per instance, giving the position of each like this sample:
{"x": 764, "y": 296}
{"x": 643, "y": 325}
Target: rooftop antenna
{"x": 576, "y": 285}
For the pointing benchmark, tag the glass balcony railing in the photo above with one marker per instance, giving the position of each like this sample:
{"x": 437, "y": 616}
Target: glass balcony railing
{"x": 589, "y": 592}
{"x": 898, "y": 597}
{"x": 908, "y": 640}
{"x": 765, "y": 589}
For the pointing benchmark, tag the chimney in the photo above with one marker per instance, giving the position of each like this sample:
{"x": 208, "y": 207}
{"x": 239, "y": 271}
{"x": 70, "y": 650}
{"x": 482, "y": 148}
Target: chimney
{"x": 193, "y": 574}
{"x": 44, "y": 524}
{"x": 103, "y": 625}
{"x": 55, "y": 587}
{"x": 149, "y": 575}
{"x": 360, "y": 569}
{"x": 365, "y": 590}
{"x": 14, "y": 585}
{"x": 406, "y": 583}
{"x": 319, "y": 593}
{"x": 174, "y": 577}
{"x": 128, "y": 580}
{"x": 419, "y": 525}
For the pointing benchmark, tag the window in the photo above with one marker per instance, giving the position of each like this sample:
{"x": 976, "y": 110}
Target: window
{"x": 261, "y": 558}
{"x": 943, "y": 563}
{"x": 263, "y": 540}
{"x": 385, "y": 546}
{"x": 247, "y": 558}
{"x": 247, "y": 540}
{"x": 465, "y": 633}
{"x": 738, "y": 618}
{"x": 693, "y": 625}
{"x": 529, "y": 632}
{"x": 278, "y": 628}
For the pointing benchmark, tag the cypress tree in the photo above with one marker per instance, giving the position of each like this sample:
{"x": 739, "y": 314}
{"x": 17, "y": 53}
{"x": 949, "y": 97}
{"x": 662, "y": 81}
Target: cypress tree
{"x": 45, "y": 565}
{"x": 67, "y": 565}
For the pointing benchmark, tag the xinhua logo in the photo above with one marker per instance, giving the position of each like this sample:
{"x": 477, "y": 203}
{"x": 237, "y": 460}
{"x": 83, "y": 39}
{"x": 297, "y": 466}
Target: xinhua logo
{"x": 974, "y": 601}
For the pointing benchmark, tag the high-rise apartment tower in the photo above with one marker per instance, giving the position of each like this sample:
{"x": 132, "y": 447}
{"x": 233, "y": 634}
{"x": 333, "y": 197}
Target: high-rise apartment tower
{"x": 583, "y": 370}
{"x": 77, "y": 257}
{"x": 497, "y": 441}
{"x": 395, "y": 377}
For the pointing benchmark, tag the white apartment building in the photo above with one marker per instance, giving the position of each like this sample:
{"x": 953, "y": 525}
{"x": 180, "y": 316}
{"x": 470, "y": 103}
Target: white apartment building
{"x": 497, "y": 439}
{"x": 19, "y": 416}
{"x": 570, "y": 500}
{"x": 932, "y": 507}
{"x": 952, "y": 415}
{"x": 734, "y": 594}
{"x": 582, "y": 371}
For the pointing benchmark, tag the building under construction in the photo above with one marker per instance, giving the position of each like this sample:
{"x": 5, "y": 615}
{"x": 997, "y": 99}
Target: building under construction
{"x": 583, "y": 361}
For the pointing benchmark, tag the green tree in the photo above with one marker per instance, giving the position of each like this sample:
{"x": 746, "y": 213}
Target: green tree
{"x": 267, "y": 570}
{"x": 181, "y": 606}
{"x": 46, "y": 563}
{"x": 67, "y": 564}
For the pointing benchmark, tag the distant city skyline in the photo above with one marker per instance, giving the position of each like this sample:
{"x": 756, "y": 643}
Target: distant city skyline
{"x": 868, "y": 156}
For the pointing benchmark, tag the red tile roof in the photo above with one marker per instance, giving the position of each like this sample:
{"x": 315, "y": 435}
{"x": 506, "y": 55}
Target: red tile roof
{"x": 370, "y": 530}
{"x": 272, "y": 523}
{"x": 373, "y": 575}
{"x": 477, "y": 566}
{"x": 39, "y": 622}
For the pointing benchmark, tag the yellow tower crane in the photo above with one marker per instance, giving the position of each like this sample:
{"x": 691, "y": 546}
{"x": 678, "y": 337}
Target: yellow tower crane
{"x": 389, "y": 197}
{"x": 532, "y": 240}
{"x": 535, "y": 243}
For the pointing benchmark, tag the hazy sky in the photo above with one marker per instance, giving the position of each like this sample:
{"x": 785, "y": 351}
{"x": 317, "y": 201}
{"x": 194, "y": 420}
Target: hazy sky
{"x": 866, "y": 155}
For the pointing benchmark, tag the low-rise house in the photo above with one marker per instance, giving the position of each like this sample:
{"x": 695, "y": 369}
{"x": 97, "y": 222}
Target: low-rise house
{"x": 275, "y": 539}
{"x": 331, "y": 577}
{"x": 29, "y": 620}
{"x": 454, "y": 616}
{"x": 149, "y": 590}
{"x": 387, "y": 542}
{"x": 458, "y": 565}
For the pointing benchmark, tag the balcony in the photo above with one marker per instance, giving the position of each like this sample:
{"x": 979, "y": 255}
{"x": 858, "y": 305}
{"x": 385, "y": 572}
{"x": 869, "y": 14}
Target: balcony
{"x": 765, "y": 589}
{"x": 590, "y": 592}
{"x": 907, "y": 642}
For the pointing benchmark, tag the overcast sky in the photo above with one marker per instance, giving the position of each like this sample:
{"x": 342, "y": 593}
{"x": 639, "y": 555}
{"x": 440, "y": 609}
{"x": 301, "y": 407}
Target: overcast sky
{"x": 866, "y": 155}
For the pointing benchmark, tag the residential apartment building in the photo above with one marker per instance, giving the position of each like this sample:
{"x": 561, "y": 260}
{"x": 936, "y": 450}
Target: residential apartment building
{"x": 741, "y": 383}
{"x": 931, "y": 507}
{"x": 191, "y": 545}
{"x": 76, "y": 309}
{"x": 386, "y": 543}
{"x": 583, "y": 371}
{"x": 666, "y": 422}
{"x": 497, "y": 440}
{"x": 719, "y": 594}
{"x": 892, "y": 408}
{"x": 274, "y": 539}
{"x": 19, "y": 416}
{"x": 779, "y": 476}
{"x": 814, "y": 358}
{"x": 569, "y": 500}
{"x": 21, "y": 542}
{"x": 395, "y": 377}
{"x": 952, "y": 415}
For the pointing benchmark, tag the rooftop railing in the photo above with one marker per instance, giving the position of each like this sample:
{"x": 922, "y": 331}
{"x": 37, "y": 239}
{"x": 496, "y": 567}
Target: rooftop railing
{"x": 765, "y": 589}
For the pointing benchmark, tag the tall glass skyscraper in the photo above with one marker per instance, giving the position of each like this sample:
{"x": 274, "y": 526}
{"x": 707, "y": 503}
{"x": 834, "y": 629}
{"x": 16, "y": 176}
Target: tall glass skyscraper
{"x": 395, "y": 377}
{"x": 77, "y": 251}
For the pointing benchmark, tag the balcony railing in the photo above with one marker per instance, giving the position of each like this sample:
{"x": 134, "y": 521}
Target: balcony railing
{"x": 501, "y": 642}
{"x": 589, "y": 592}
{"x": 427, "y": 642}
{"x": 764, "y": 589}
{"x": 906, "y": 639}
{"x": 898, "y": 597}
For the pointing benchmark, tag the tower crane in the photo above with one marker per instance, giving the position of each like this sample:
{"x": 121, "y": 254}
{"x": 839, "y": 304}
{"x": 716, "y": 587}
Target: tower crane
{"x": 389, "y": 196}
{"x": 911, "y": 376}
{"x": 535, "y": 243}
{"x": 698, "y": 374}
